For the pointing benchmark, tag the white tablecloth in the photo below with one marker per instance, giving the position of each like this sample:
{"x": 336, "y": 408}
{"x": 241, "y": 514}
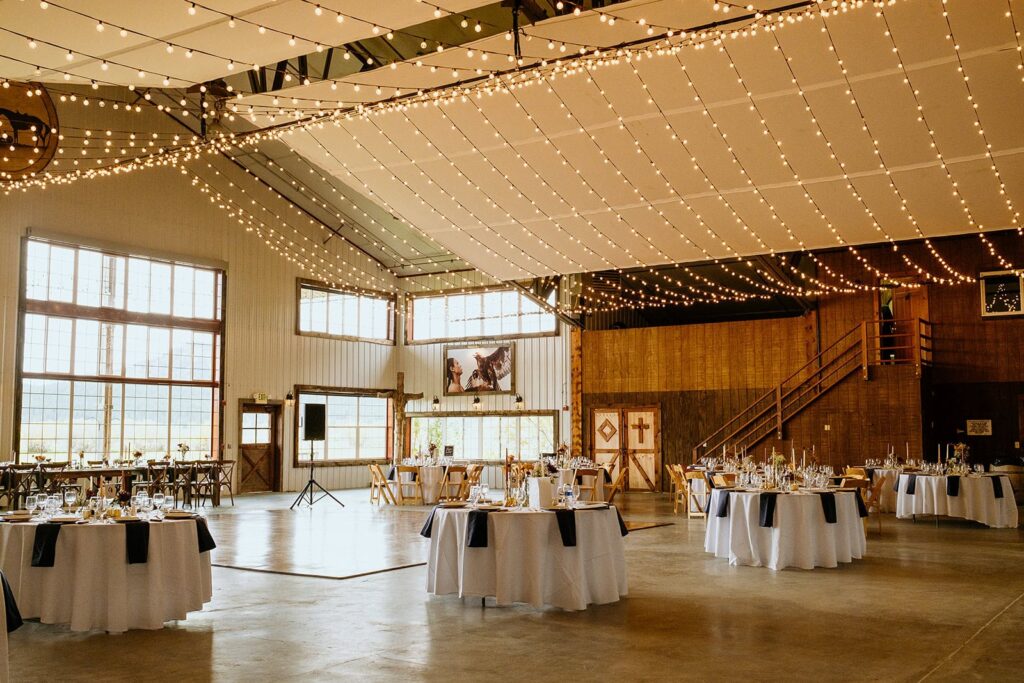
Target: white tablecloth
{"x": 92, "y": 586}
{"x": 977, "y": 500}
{"x": 525, "y": 561}
{"x": 5, "y": 674}
{"x": 800, "y": 536}
{"x": 430, "y": 477}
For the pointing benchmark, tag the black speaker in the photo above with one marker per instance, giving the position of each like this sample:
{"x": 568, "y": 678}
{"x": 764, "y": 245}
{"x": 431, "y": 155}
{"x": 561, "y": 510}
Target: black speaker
{"x": 315, "y": 422}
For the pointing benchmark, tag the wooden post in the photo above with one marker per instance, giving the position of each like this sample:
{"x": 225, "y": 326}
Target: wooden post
{"x": 778, "y": 411}
{"x": 917, "y": 347}
{"x": 864, "y": 348}
{"x": 576, "y": 407}
{"x": 399, "y": 399}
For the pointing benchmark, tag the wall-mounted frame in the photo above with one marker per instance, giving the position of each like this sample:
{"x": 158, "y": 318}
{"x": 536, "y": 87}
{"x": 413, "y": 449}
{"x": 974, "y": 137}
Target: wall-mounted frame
{"x": 1001, "y": 293}
{"x": 479, "y": 369}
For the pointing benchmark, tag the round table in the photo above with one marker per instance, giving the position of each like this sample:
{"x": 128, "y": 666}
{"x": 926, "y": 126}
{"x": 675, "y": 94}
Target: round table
{"x": 92, "y": 586}
{"x": 928, "y": 494}
{"x": 798, "y": 537}
{"x": 526, "y": 561}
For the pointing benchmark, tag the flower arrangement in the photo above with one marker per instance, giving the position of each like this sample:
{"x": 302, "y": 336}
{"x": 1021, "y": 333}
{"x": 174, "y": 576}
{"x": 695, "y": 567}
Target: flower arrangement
{"x": 778, "y": 460}
{"x": 432, "y": 449}
{"x": 183, "y": 449}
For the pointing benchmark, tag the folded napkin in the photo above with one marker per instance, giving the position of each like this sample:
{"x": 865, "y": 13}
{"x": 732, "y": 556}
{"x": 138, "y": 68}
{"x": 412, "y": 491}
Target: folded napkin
{"x": 828, "y": 506}
{"x": 567, "y": 527}
{"x": 723, "y": 504}
{"x": 205, "y": 539}
{"x": 896, "y": 483}
{"x": 862, "y": 509}
{"x": 391, "y": 472}
{"x": 710, "y": 479}
{"x": 911, "y": 484}
{"x": 767, "y": 504}
{"x": 428, "y": 526}
{"x": 622, "y": 525}
{"x": 871, "y": 473}
{"x": 997, "y": 486}
{"x": 607, "y": 476}
{"x": 44, "y": 548}
{"x": 476, "y": 529}
{"x": 10, "y": 606}
{"x": 953, "y": 485}
{"x": 136, "y": 541}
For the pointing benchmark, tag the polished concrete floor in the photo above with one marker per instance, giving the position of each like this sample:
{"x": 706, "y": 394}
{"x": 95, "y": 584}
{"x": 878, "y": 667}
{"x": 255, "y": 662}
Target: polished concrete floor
{"x": 338, "y": 594}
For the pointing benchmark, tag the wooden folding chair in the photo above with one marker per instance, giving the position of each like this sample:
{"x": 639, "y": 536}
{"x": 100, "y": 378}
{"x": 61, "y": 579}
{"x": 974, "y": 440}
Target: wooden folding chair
{"x": 858, "y": 472}
{"x": 724, "y": 480}
{"x": 873, "y": 501}
{"x": 617, "y": 485}
{"x": 697, "y": 499}
{"x": 678, "y": 487}
{"x": 455, "y": 476}
{"x": 413, "y": 482}
{"x": 380, "y": 487}
{"x": 581, "y": 476}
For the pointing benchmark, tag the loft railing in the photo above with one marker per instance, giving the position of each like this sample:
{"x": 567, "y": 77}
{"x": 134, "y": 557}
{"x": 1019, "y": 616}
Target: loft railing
{"x": 872, "y": 342}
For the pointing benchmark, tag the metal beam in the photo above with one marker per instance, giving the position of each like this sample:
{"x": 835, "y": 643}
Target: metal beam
{"x": 528, "y": 293}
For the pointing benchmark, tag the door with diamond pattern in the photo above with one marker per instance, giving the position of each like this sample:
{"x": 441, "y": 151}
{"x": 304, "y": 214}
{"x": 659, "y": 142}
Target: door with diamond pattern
{"x": 629, "y": 437}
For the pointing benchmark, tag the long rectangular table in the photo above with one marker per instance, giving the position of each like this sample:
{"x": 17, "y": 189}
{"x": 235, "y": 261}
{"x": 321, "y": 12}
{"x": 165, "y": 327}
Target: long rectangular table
{"x": 524, "y": 557}
{"x": 986, "y": 499}
{"x": 91, "y": 585}
{"x": 796, "y": 533}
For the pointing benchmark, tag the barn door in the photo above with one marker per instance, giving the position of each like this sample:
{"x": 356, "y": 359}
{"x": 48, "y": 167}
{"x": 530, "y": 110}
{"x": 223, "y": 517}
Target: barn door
{"x": 607, "y": 439}
{"x": 643, "y": 448}
{"x": 630, "y": 438}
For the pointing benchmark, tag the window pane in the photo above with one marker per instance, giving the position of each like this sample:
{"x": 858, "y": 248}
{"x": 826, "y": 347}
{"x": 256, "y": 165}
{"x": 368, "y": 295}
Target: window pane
{"x": 204, "y": 294}
{"x": 335, "y": 314}
{"x": 365, "y": 317}
{"x": 87, "y": 347}
{"x": 468, "y": 316}
{"x": 137, "y": 351}
{"x": 191, "y": 419}
{"x": 96, "y": 430}
{"x": 160, "y": 288}
{"x": 138, "y": 285}
{"x": 62, "y": 273}
{"x": 45, "y": 414}
{"x": 350, "y": 311}
{"x": 34, "y": 358}
{"x": 305, "y": 298}
{"x": 318, "y": 311}
{"x": 37, "y": 270}
{"x": 146, "y": 419}
{"x": 372, "y": 443}
{"x": 1002, "y": 293}
{"x": 159, "y": 348}
{"x": 58, "y": 345}
{"x": 182, "y": 353}
{"x": 90, "y": 277}
{"x": 184, "y": 284}
{"x": 248, "y": 420}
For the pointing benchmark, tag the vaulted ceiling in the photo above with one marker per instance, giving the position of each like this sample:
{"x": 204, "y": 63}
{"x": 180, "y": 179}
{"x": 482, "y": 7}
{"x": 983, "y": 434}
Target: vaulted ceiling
{"x": 628, "y": 135}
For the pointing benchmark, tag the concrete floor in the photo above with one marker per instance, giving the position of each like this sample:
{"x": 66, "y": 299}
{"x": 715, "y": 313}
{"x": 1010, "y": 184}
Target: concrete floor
{"x": 323, "y": 603}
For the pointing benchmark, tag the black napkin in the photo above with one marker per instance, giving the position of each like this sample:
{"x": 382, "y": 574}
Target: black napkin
{"x": 622, "y": 525}
{"x": 476, "y": 529}
{"x": 45, "y": 545}
{"x": 205, "y": 539}
{"x": 428, "y": 526}
{"x": 871, "y": 474}
{"x": 862, "y": 509}
{"x": 723, "y": 504}
{"x": 997, "y": 486}
{"x": 136, "y": 542}
{"x": 952, "y": 485}
{"x": 710, "y": 479}
{"x": 567, "y": 527}
{"x": 391, "y": 472}
{"x": 10, "y": 606}
{"x": 767, "y": 504}
{"x": 607, "y": 476}
{"x": 828, "y": 506}
{"x": 896, "y": 483}
{"x": 911, "y": 484}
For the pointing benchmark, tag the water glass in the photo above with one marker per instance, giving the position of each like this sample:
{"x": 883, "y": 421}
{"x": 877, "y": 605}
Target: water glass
{"x": 30, "y": 502}
{"x": 158, "y": 500}
{"x": 70, "y": 498}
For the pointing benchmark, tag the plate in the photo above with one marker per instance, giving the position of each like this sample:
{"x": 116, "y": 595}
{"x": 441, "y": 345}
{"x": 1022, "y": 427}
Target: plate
{"x": 69, "y": 519}
{"x": 16, "y": 513}
{"x": 489, "y": 507}
{"x": 179, "y": 514}
{"x": 122, "y": 520}
{"x": 454, "y": 504}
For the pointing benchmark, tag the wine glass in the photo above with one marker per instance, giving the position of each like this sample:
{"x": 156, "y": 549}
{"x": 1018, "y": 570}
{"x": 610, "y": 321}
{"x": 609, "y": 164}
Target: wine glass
{"x": 70, "y": 498}
{"x": 158, "y": 500}
{"x": 30, "y": 502}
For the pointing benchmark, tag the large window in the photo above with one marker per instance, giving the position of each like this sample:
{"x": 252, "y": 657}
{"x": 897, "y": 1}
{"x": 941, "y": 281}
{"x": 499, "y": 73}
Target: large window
{"x": 119, "y": 354}
{"x": 1001, "y": 293}
{"x": 486, "y": 437}
{"x": 348, "y": 315}
{"x": 477, "y": 315}
{"x": 359, "y": 427}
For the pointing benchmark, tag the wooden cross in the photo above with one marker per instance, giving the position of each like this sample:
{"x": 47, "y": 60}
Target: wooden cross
{"x": 399, "y": 398}
{"x": 640, "y": 426}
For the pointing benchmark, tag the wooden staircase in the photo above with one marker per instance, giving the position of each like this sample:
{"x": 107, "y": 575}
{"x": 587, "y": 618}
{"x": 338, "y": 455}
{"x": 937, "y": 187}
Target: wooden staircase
{"x": 871, "y": 342}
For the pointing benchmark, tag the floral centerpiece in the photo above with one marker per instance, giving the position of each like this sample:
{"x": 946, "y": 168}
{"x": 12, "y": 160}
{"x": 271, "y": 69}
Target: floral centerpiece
{"x": 957, "y": 462}
{"x": 183, "y": 449}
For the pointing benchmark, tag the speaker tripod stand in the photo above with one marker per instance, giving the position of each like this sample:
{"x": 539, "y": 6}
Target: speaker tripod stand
{"x": 313, "y": 488}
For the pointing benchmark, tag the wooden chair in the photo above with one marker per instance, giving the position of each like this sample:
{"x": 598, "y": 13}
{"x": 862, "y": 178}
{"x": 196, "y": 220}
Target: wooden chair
{"x": 724, "y": 480}
{"x": 24, "y": 482}
{"x": 380, "y": 487}
{"x": 873, "y": 502}
{"x": 226, "y": 478}
{"x": 697, "y": 499}
{"x": 458, "y": 481}
{"x": 182, "y": 478}
{"x": 617, "y": 485}
{"x": 473, "y": 473}
{"x": 156, "y": 480}
{"x": 207, "y": 475}
{"x": 48, "y": 479}
{"x": 581, "y": 476}
{"x": 413, "y": 482}
{"x": 675, "y": 473}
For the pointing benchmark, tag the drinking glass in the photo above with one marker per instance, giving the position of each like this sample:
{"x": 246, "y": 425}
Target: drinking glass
{"x": 158, "y": 500}
{"x": 484, "y": 491}
{"x": 70, "y": 498}
{"x": 30, "y": 502}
